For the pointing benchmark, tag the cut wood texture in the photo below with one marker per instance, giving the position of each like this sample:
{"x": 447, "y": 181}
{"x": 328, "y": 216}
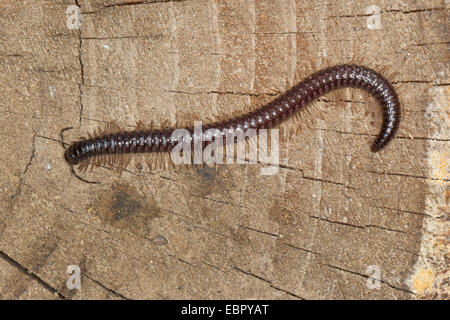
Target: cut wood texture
{"x": 335, "y": 222}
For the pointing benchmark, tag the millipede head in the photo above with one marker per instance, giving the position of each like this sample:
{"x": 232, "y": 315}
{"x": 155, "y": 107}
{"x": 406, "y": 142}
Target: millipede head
{"x": 71, "y": 156}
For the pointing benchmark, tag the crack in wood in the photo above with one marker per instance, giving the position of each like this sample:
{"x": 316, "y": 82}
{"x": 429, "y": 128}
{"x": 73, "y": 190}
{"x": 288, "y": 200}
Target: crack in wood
{"x": 136, "y": 3}
{"x": 266, "y": 281}
{"x": 26, "y": 271}
{"x": 367, "y": 277}
{"x": 114, "y": 292}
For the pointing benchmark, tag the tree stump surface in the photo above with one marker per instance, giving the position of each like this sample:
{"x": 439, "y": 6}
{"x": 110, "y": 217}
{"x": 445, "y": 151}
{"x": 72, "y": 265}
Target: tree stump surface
{"x": 335, "y": 222}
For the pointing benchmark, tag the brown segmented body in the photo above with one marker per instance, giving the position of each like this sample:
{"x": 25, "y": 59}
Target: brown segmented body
{"x": 268, "y": 116}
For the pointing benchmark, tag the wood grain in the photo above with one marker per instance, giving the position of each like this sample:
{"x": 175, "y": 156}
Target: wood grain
{"x": 313, "y": 230}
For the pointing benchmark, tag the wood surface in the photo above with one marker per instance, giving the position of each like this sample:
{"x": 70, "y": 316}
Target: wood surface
{"x": 317, "y": 229}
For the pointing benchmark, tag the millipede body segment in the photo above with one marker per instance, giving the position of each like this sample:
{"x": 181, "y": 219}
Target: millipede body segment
{"x": 318, "y": 84}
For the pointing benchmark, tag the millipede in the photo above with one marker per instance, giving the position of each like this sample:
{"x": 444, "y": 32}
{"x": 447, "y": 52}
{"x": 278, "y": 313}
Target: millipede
{"x": 113, "y": 141}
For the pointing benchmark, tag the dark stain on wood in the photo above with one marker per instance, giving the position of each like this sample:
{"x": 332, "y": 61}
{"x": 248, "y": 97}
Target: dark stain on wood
{"x": 124, "y": 206}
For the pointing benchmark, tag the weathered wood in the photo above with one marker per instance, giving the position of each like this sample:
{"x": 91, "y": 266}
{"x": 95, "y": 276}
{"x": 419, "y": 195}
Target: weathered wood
{"x": 333, "y": 213}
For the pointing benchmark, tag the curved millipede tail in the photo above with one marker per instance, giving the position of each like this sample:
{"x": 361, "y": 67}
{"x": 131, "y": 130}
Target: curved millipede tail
{"x": 311, "y": 88}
